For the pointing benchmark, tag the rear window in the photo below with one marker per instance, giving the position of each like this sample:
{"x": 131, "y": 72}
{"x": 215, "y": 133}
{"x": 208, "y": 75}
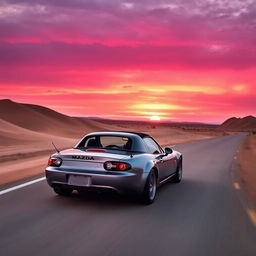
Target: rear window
{"x": 107, "y": 142}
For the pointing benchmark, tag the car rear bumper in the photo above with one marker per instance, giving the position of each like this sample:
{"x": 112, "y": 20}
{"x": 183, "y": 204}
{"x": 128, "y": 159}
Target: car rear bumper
{"x": 121, "y": 182}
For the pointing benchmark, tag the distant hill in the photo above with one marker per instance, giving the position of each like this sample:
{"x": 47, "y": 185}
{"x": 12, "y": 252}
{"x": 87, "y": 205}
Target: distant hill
{"x": 247, "y": 123}
{"x": 94, "y": 118}
{"x": 45, "y": 120}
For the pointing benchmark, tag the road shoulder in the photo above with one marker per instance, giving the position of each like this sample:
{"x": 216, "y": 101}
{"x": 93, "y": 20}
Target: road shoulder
{"x": 243, "y": 175}
{"x": 247, "y": 164}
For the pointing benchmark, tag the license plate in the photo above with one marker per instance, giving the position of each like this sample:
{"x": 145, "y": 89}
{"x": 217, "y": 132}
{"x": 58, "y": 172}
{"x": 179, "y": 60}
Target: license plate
{"x": 79, "y": 180}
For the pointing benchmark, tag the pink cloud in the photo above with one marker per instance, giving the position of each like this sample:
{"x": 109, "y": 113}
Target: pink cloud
{"x": 67, "y": 56}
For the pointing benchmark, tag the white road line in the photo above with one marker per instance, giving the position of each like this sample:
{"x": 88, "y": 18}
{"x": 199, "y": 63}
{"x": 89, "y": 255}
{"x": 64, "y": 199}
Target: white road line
{"x": 21, "y": 186}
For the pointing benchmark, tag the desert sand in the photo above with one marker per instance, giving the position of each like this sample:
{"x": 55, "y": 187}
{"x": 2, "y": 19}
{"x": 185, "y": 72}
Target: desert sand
{"x": 247, "y": 161}
{"x": 27, "y": 132}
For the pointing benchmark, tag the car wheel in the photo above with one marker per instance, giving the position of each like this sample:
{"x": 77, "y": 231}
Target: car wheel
{"x": 150, "y": 189}
{"x": 62, "y": 191}
{"x": 178, "y": 174}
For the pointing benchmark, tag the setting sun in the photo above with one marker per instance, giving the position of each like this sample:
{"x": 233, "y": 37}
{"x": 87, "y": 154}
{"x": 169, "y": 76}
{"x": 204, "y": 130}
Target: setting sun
{"x": 155, "y": 118}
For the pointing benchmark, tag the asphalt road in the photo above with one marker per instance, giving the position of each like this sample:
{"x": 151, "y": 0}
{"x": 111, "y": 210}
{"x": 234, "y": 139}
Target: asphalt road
{"x": 201, "y": 216}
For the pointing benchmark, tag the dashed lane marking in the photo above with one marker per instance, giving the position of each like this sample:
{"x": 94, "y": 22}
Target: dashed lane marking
{"x": 252, "y": 215}
{"x": 236, "y": 185}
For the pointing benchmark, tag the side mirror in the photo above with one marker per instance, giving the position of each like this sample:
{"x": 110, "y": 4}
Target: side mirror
{"x": 168, "y": 151}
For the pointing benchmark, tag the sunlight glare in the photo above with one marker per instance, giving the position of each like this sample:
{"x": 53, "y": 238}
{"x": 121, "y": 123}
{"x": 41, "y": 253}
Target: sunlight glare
{"x": 155, "y": 118}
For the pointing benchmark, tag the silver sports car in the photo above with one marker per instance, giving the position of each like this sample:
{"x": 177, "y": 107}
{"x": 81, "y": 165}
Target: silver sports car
{"x": 120, "y": 161}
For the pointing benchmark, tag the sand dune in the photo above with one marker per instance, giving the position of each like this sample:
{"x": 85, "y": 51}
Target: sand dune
{"x": 45, "y": 120}
{"x": 17, "y": 142}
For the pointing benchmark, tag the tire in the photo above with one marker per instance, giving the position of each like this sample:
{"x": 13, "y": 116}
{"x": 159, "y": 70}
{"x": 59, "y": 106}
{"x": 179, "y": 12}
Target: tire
{"x": 149, "y": 193}
{"x": 178, "y": 174}
{"x": 62, "y": 191}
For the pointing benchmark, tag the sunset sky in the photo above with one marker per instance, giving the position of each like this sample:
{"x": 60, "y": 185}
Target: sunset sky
{"x": 180, "y": 60}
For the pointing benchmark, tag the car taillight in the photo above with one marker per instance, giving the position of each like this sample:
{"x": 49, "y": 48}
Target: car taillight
{"x": 116, "y": 166}
{"x": 95, "y": 150}
{"x": 54, "y": 161}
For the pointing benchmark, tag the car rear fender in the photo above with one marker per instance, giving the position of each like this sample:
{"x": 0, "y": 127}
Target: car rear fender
{"x": 149, "y": 166}
{"x": 179, "y": 157}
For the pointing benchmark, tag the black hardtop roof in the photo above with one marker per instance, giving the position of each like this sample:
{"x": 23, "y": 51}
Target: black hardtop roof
{"x": 140, "y": 134}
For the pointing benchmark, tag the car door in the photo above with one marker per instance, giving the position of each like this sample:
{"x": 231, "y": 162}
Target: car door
{"x": 156, "y": 150}
{"x": 170, "y": 163}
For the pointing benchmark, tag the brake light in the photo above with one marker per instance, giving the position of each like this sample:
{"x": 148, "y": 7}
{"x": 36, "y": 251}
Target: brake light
{"x": 54, "y": 161}
{"x": 122, "y": 166}
{"x": 95, "y": 150}
{"x": 116, "y": 166}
